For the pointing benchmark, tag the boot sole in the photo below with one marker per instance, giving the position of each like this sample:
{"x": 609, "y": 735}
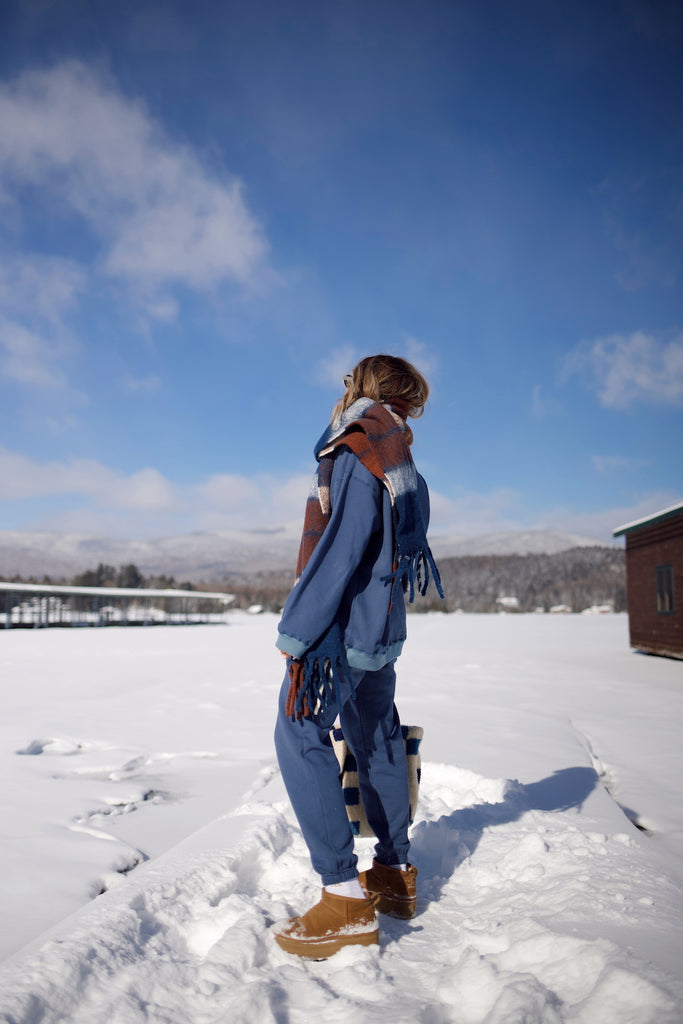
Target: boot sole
{"x": 321, "y": 949}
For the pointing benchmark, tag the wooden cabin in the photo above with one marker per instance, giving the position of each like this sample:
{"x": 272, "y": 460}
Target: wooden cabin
{"x": 654, "y": 574}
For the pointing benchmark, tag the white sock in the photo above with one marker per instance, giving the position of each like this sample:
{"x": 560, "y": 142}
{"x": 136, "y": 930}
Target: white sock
{"x": 351, "y": 889}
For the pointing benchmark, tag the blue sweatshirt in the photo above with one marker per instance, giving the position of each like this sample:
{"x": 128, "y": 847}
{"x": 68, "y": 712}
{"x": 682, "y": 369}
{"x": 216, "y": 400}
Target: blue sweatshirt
{"x": 347, "y": 577}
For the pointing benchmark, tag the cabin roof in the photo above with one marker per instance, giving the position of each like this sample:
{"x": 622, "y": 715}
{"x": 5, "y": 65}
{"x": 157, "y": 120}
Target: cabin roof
{"x": 657, "y": 517}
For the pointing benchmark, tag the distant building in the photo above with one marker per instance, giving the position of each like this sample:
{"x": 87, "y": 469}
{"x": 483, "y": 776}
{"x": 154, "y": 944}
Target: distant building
{"x": 654, "y": 569}
{"x": 36, "y": 605}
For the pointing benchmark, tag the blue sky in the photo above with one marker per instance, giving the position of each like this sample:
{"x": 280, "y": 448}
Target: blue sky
{"x": 210, "y": 211}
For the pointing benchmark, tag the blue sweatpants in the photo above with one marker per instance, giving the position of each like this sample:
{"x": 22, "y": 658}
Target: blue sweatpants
{"x": 310, "y": 770}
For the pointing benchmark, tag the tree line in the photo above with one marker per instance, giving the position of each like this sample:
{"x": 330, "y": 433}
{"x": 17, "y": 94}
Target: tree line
{"x": 579, "y": 578}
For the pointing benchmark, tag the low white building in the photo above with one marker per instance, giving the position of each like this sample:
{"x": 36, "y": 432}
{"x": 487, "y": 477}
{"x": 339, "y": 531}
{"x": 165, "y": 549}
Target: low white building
{"x": 36, "y": 605}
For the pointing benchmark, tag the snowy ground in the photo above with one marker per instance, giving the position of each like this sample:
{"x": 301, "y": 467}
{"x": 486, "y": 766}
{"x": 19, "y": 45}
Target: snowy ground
{"x": 539, "y": 900}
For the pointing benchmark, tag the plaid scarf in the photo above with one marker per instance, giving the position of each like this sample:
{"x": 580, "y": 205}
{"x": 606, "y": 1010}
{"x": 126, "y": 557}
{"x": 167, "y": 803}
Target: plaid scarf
{"x": 376, "y": 435}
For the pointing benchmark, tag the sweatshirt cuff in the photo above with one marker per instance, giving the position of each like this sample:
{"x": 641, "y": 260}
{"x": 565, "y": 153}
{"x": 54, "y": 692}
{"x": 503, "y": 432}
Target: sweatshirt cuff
{"x": 291, "y": 646}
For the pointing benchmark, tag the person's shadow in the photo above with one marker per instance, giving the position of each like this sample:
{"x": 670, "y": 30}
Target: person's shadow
{"x": 439, "y": 847}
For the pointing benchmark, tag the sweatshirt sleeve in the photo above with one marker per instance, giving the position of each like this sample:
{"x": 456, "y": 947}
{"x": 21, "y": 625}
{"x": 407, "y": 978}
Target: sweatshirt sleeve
{"x": 310, "y": 609}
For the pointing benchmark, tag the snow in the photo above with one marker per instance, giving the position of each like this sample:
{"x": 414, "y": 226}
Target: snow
{"x": 512, "y": 542}
{"x": 139, "y": 764}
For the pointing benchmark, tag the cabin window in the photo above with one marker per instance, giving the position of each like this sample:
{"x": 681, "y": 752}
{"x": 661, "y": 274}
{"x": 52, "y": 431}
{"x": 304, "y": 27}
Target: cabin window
{"x": 664, "y": 578}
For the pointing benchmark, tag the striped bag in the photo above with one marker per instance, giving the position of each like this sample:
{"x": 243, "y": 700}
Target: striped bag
{"x": 412, "y": 737}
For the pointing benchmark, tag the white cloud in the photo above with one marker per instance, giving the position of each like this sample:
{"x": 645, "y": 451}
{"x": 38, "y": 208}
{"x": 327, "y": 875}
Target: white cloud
{"x": 603, "y": 522}
{"x": 143, "y": 490}
{"x": 291, "y": 495}
{"x": 162, "y": 216}
{"x": 608, "y": 464}
{"x": 473, "y": 513}
{"x": 503, "y": 510}
{"x": 626, "y": 369}
{"x": 36, "y": 293}
{"x": 143, "y": 385}
{"x": 95, "y": 499}
{"x": 164, "y": 309}
{"x": 419, "y": 354}
{"x": 22, "y": 477}
{"x": 43, "y": 286}
{"x": 331, "y": 370}
{"x": 224, "y": 492}
{"x": 538, "y": 406}
{"x": 229, "y": 501}
{"x": 28, "y": 358}
{"x": 146, "y": 500}
{"x": 158, "y": 217}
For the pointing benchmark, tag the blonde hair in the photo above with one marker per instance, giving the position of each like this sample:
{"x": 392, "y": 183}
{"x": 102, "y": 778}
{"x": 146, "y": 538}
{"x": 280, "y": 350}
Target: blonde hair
{"x": 387, "y": 379}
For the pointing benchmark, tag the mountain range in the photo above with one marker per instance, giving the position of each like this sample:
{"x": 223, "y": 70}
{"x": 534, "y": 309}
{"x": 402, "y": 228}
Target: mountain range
{"x": 221, "y": 556}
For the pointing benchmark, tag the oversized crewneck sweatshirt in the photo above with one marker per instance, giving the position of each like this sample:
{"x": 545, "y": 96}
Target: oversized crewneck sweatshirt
{"x": 347, "y": 579}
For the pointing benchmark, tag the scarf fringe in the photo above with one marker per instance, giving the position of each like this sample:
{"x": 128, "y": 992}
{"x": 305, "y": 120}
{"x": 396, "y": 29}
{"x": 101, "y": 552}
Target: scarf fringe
{"x": 413, "y": 571}
{"x": 324, "y": 668}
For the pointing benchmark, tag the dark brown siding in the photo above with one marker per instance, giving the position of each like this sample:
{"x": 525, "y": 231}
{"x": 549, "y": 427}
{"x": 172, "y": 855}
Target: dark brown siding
{"x": 647, "y": 548}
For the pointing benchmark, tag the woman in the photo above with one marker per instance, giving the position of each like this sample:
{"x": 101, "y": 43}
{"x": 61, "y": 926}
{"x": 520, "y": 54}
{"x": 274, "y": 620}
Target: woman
{"x": 363, "y": 545}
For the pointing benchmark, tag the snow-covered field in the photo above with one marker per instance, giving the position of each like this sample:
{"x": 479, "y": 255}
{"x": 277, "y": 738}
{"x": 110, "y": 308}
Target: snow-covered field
{"x": 539, "y": 900}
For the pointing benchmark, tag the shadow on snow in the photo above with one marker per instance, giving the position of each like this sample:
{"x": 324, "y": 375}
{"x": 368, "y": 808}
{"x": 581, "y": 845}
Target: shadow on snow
{"x": 439, "y": 847}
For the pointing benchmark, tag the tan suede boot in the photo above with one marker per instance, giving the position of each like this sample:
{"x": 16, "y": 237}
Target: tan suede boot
{"x": 334, "y": 922}
{"x": 393, "y": 892}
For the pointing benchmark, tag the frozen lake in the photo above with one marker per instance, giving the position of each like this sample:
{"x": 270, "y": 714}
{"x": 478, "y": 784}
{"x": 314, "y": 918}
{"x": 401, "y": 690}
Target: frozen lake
{"x": 138, "y": 763}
